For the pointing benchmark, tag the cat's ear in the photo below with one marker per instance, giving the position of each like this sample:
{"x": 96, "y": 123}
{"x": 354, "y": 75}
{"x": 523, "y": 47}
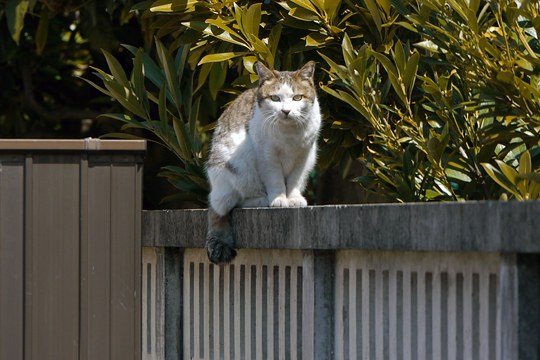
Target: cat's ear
{"x": 307, "y": 71}
{"x": 263, "y": 72}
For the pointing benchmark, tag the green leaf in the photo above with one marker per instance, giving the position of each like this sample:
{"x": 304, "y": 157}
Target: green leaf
{"x": 171, "y": 74}
{"x": 172, "y": 5}
{"x": 227, "y": 34}
{"x": 151, "y": 71}
{"x": 95, "y": 86}
{"x": 180, "y": 60}
{"x": 42, "y": 30}
{"x": 137, "y": 76}
{"x": 162, "y": 108}
{"x": 525, "y": 166}
{"x": 217, "y": 78}
{"x": 304, "y": 14}
{"x": 212, "y": 58}
{"x": 251, "y": 20}
{"x": 15, "y": 13}
{"x": 317, "y": 39}
{"x": 500, "y": 179}
{"x": 375, "y": 14}
{"x": 306, "y": 4}
{"x": 273, "y": 42}
{"x": 127, "y": 136}
{"x": 409, "y": 75}
{"x": 121, "y": 117}
{"x": 116, "y": 69}
{"x": 508, "y": 171}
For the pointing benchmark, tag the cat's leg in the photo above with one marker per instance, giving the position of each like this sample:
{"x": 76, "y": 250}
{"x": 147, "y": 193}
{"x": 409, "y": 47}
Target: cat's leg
{"x": 271, "y": 174}
{"x": 220, "y": 241}
{"x": 253, "y": 202}
{"x": 297, "y": 179}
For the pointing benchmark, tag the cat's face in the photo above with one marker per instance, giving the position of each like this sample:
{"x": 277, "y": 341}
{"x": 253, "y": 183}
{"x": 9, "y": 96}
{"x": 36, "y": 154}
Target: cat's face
{"x": 286, "y": 96}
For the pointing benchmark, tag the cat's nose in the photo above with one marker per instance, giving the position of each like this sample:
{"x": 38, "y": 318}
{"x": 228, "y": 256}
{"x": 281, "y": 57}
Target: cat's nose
{"x": 285, "y": 111}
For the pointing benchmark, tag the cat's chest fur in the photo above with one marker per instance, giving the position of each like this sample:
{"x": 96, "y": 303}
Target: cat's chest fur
{"x": 287, "y": 143}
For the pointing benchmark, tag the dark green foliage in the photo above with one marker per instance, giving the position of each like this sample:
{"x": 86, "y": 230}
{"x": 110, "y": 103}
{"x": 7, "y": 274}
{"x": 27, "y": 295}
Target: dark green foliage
{"x": 45, "y": 46}
{"x": 439, "y": 100}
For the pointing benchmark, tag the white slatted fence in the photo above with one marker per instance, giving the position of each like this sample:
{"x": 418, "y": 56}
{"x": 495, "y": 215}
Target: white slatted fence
{"x": 392, "y": 305}
{"x": 386, "y": 305}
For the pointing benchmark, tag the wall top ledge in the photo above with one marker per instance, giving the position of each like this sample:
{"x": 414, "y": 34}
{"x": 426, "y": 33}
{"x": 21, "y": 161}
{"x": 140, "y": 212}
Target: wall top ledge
{"x": 487, "y": 226}
{"x": 88, "y": 144}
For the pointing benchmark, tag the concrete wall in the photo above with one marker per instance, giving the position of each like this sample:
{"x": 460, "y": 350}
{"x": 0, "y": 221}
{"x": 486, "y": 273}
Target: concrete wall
{"x": 413, "y": 281}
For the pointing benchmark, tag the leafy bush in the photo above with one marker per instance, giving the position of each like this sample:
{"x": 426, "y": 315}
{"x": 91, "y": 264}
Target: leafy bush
{"x": 44, "y": 47}
{"x": 428, "y": 95}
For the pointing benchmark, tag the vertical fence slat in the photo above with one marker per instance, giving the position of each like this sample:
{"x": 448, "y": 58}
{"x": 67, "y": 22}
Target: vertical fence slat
{"x": 467, "y": 315}
{"x": 365, "y": 313}
{"x": 197, "y": 311}
{"x": 484, "y": 315}
{"x": 308, "y": 300}
{"x": 281, "y": 311}
{"x": 125, "y": 252}
{"x": 451, "y": 315}
{"x": 422, "y": 310}
{"x": 53, "y": 266}
{"x": 226, "y": 312}
{"x": 96, "y": 267}
{"x": 407, "y": 352}
{"x": 339, "y": 308}
{"x": 352, "y": 311}
{"x": 11, "y": 257}
{"x": 379, "y": 322}
{"x": 247, "y": 312}
{"x": 293, "y": 306}
{"x": 436, "y": 314}
{"x": 217, "y": 314}
{"x": 186, "y": 328}
{"x": 392, "y": 321}
{"x": 237, "y": 332}
{"x": 206, "y": 311}
{"x": 259, "y": 313}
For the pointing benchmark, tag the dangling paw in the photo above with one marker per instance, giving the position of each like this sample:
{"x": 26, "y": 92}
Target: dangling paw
{"x": 218, "y": 250}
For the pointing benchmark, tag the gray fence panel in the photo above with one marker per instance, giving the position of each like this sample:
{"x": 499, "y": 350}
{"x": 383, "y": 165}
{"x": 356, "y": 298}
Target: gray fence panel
{"x": 11, "y": 256}
{"x": 70, "y": 249}
{"x": 52, "y": 257}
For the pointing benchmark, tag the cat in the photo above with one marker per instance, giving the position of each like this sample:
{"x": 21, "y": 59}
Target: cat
{"x": 262, "y": 151}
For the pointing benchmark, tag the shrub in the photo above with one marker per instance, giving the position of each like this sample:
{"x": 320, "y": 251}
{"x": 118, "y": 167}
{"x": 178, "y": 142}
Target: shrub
{"x": 428, "y": 95}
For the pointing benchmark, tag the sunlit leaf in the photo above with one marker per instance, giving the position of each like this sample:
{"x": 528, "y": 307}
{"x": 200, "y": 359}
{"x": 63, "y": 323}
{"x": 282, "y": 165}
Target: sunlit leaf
{"x": 15, "y": 13}
{"x": 211, "y": 58}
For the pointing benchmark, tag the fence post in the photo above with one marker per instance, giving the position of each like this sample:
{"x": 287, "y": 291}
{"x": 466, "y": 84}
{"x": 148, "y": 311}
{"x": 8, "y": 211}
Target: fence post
{"x": 319, "y": 304}
{"x": 173, "y": 279}
{"x": 529, "y": 305}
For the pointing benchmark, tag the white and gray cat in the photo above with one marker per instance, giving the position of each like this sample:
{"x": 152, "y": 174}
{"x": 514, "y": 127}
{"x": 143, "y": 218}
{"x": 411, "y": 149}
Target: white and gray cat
{"x": 264, "y": 146}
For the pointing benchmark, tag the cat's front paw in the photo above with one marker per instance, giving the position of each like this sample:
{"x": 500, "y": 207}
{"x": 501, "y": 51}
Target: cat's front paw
{"x": 220, "y": 249}
{"x": 297, "y": 201}
{"x": 280, "y": 201}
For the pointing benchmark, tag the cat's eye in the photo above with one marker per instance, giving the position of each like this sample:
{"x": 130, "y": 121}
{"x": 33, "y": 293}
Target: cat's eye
{"x": 274, "y": 98}
{"x": 298, "y": 97}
